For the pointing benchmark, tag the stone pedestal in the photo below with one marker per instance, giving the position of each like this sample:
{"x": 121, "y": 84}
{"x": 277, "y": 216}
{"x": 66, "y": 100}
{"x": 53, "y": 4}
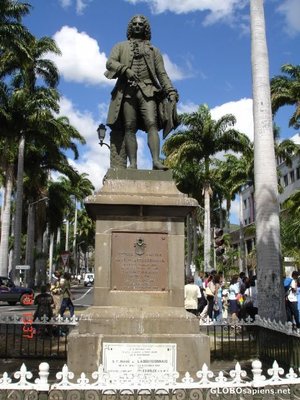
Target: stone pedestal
{"x": 139, "y": 272}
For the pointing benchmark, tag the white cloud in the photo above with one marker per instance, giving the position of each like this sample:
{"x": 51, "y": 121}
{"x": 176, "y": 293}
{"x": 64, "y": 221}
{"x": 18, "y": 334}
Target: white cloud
{"x": 235, "y": 211}
{"x": 174, "y": 72}
{"x": 296, "y": 138}
{"x": 241, "y": 109}
{"x": 65, "y": 3}
{"x": 83, "y": 121}
{"x": 187, "y": 107}
{"x": 93, "y": 160}
{"x": 81, "y": 60}
{"x": 218, "y": 9}
{"x": 291, "y": 11}
{"x": 80, "y": 5}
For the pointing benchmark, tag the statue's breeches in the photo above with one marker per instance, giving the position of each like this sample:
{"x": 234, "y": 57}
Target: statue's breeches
{"x": 139, "y": 107}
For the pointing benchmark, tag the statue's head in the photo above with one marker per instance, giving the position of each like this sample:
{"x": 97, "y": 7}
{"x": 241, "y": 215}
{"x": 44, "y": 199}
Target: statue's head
{"x": 146, "y": 27}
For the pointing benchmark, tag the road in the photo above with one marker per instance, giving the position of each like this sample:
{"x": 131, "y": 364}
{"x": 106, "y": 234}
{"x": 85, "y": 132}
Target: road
{"x": 83, "y": 298}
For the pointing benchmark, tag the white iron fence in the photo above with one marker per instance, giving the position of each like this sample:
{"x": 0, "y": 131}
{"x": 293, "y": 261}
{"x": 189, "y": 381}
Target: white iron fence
{"x": 236, "y": 383}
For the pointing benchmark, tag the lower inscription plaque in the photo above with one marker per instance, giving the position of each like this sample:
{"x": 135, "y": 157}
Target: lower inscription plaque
{"x": 139, "y": 261}
{"x": 139, "y": 358}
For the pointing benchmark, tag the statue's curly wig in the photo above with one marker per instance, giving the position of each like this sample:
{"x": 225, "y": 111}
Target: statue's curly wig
{"x": 147, "y": 35}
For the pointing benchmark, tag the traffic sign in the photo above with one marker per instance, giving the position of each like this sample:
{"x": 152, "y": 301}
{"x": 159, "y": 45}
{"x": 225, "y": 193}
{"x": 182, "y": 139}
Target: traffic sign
{"x": 22, "y": 266}
{"x": 65, "y": 257}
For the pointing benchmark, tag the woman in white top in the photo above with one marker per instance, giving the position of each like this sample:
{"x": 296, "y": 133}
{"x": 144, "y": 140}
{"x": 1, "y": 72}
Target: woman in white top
{"x": 233, "y": 291}
{"x": 191, "y": 295}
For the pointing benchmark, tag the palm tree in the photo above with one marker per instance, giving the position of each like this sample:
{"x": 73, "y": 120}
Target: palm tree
{"x": 29, "y": 70}
{"x": 19, "y": 112}
{"x": 290, "y": 227}
{"x": 285, "y": 90}
{"x": 269, "y": 268}
{"x": 198, "y": 144}
{"x": 22, "y": 53}
{"x": 46, "y": 153}
{"x": 237, "y": 172}
{"x": 13, "y": 35}
{"x": 8, "y": 110}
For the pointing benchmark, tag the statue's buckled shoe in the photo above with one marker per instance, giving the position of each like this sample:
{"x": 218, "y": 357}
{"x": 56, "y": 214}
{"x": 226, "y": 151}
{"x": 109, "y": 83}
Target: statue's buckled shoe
{"x": 159, "y": 166}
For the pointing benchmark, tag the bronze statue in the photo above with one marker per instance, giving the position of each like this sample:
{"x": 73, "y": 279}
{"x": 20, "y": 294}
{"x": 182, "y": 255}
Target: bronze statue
{"x": 143, "y": 97}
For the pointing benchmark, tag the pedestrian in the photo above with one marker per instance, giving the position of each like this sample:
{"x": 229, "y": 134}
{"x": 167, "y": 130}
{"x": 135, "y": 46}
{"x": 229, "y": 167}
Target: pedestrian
{"x": 212, "y": 293}
{"x": 218, "y": 304}
{"x": 56, "y": 291}
{"x": 298, "y": 295}
{"x": 191, "y": 295}
{"x": 292, "y": 301}
{"x": 67, "y": 296}
{"x": 225, "y": 303}
{"x": 199, "y": 280}
{"x": 250, "y": 305}
{"x": 233, "y": 293}
{"x": 45, "y": 304}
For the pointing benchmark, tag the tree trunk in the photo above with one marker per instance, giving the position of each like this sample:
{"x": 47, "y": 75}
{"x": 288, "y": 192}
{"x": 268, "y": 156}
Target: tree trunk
{"x": 269, "y": 268}
{"x": 242, "y": 260}
{"x": 41, "y": 251}
{"x": 207, "y": 233}
{"x": 18, "y": 213}
{"x": 39, "y": 261}
{"x": 189, "y": 244}
{"x": 5, "y": 223}
{"x": 29, "y": 257}
{"x": 51, "y": 247}
{"x": 195, "y": 235}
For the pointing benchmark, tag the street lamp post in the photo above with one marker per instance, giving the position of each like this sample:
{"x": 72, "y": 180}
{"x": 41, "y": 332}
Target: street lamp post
{"x": 101, "y": 130}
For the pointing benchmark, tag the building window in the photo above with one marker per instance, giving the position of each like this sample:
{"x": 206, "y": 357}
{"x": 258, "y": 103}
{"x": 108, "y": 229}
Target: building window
{"x": 285, "y": 180}
{"x": 292, "y": 176}
{"x": 298, "y": 173}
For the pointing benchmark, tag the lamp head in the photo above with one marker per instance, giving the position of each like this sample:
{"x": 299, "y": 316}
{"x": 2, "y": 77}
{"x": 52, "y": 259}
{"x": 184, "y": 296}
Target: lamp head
{"x": 101, "y": 130}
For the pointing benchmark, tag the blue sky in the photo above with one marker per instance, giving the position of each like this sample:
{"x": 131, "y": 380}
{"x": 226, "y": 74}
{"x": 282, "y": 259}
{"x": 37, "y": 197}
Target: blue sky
{"x": 206, "y": 48}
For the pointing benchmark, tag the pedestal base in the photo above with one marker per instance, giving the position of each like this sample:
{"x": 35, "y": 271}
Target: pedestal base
{"x": 99, "y": 325}
{"x": 139, "y": 274}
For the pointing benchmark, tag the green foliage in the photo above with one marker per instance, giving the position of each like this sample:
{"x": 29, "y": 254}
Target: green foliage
{"x": 29, "y": 105}
{"x": 285, "y": 90}
{"x": 290, "y": 227}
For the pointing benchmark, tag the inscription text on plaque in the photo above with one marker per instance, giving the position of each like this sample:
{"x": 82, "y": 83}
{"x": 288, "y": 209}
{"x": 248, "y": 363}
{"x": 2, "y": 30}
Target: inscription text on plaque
{"x": 145, "y": 358}
{"x": 139, "y": 261}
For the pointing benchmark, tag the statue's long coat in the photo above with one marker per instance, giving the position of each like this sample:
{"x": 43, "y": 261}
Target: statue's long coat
{"x": 120, "y": 59}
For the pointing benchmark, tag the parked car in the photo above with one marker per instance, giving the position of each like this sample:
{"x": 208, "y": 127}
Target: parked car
{"x": 88, "y": 279}
{"x": 13, "y": 294}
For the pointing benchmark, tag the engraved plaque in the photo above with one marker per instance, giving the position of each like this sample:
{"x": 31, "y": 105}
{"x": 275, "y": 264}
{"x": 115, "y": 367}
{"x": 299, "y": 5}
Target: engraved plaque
{"x": 139, "y": 261}
{"x": 139, "y": 358}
